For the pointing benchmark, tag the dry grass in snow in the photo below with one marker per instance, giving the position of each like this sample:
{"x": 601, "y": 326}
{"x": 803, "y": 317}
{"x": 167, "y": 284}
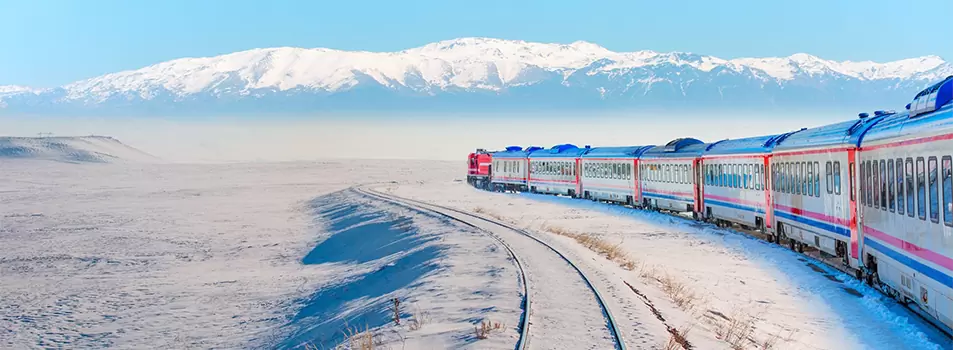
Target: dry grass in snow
{"x": 610, "y": 251}
{"x": 486, "y": 327}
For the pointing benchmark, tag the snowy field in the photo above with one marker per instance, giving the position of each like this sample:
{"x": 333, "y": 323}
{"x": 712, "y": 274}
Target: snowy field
{"x": 283, "y": 255}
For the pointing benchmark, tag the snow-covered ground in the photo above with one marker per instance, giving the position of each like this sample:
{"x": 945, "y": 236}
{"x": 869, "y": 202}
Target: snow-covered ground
{"x": 800, "y": 303}
{"x": 217, "y": 256}
{"x": 283, "y": 255}
{"x": 94, "y": 149}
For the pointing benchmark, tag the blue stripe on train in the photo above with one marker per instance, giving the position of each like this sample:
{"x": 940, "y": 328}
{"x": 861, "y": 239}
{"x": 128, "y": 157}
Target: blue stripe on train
{"x": 734, "y": 206}
{"x": 811, "y": 222}
{"x": 934, "y": 274}
{"x": 667, "y": 196}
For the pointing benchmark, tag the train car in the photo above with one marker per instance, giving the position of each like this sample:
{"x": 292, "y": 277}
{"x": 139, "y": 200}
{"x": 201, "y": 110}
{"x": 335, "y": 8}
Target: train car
{"x": 813, "y": 199}
{"x": 735, "y": 188}
{"x": 511, "y": 169}
{"x": 556, "y": 170}
{"x": 478, "y": 168}
{"x": 906, "y": 211}
{"x": 668, "y": 176}
{"x": 611, "y": 174}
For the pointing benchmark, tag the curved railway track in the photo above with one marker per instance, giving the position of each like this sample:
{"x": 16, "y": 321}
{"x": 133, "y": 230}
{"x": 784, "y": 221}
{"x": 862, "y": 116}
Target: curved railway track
{"x": 529, "y": 312}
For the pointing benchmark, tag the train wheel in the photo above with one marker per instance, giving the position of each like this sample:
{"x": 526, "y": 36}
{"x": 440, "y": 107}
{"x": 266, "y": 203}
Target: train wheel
{"x": 800, "y": 247}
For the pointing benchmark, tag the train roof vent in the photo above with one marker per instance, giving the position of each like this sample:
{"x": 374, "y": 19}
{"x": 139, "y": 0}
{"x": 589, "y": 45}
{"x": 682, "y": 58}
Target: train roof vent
{"x": 562, "y": 148}
{"x": 677, "y": 144}
{"x": 533, "y": 148}
{"x": 932, "y": 98}
{"x": 513, "y": 148}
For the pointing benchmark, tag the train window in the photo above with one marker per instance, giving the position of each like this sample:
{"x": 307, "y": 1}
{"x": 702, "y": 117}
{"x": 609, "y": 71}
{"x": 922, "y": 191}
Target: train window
{"x": 751, "y": 175}
{"x": 850, "y": 178}
{"x": 810, "y": 179}
{"x": 911, "y": 187}
{"x": 758, "y": 172}
{"x": 870, "y": 188}
{"x": 883, "y": 185}
{"x": 899, "y": 181}
{"x": 876, "y": 182}
{"x": 799, "y": 178}
{"x": 778, "y": 177}
{"x": 788, "y": 180}
{"x": 836, "y": 173}
{"x": 829, "y": 177}
{"x": 730, "y": 177}
{"x": 817, "y": 179}
{"x": 763, "y": 179}
{"x": 947, "y": 174}
{"x": 921, "y": 190}
{"x": 720, "y": 175}
{"x": 863, "y": 184}
{"x": 736, "y": 176}
{"x": 744, "y": 176}
{"x": 708, "y": 174}
{"x": 890, "y": 180}
{"x": 934, "y": 189}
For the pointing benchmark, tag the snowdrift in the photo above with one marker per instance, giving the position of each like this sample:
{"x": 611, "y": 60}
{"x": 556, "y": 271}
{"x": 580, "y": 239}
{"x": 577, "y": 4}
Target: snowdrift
{"x": 79, "y": 149}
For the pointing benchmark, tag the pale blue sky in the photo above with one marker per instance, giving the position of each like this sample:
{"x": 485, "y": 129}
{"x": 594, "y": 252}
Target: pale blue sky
{"x": 47, "y": 43}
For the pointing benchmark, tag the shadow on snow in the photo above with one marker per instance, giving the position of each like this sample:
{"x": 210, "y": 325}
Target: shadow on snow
{"x": 358, "y": 234}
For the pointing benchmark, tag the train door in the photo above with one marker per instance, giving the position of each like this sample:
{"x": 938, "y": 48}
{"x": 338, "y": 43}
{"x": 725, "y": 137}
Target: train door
{"x": 578, "y": 172}
{"x": 699, "y": 188}
{"x": 856, "y": 215}
{"x": 637, "y": 190}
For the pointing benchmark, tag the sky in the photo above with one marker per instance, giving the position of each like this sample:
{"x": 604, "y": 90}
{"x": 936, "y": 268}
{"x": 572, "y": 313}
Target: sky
{"x": 48, "y": 43}
{"x": 231, "y": 139}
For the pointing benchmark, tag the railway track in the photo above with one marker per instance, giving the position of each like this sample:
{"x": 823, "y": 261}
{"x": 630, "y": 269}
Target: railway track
{"x": 550, "y": 291}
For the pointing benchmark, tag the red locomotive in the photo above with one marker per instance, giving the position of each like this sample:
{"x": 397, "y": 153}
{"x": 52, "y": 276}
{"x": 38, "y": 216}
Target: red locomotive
{"x": 479, "y": 168}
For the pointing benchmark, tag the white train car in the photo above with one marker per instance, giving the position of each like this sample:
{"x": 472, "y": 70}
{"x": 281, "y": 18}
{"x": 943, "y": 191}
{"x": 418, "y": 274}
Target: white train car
{"x": 813, "y": 198}
{"x": 511, "y": 169}
{"x": 668, "y": 177}
{"x": 612, "y": 174}
{"x": 556, "y": 170}
{"x": 736, "y": 188}
{"x": 906, "y": 212}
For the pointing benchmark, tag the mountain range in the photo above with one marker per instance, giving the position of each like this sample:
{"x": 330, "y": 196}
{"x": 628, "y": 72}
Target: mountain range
{"x": 470, "y": 74}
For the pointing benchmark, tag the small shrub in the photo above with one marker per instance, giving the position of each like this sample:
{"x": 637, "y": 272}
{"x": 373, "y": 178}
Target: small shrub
{"x": 357, "y": 339}
{"x": 418, "y": 320}
{"x": 678, "y": 338}
{"x": 680, "y": 294}
{"x": 486, "y": 327}
{"x": 736, "y": 330}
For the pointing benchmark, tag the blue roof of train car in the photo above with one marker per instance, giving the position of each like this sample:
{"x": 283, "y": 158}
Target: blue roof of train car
{"x": 560, "y": 151}
{"x": 515, "y": 152}
{"x": 843, "y": 133}
{"x": 920, "y": 117}
{"x": 617, "y": 152}
{"x": 902, "y": 124}
{"x": 683, "y": 147}
{"x": 757, "y": 144}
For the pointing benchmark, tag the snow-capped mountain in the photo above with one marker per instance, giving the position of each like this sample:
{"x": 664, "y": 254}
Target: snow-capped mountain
{"x": 482, "y": 73}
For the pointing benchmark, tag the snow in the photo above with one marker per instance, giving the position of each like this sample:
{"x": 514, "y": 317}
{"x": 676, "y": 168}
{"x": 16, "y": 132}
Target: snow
{"x": 781, "y": 290}
{"x": 469, "y": 63}
{"x": 97, "y": 149}
{"x": 278, "y": 255}
{"x": 209, "y": 256}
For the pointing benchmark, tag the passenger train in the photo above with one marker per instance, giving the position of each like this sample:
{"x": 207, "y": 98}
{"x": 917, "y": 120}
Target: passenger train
{"x": 875, "y": 192}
